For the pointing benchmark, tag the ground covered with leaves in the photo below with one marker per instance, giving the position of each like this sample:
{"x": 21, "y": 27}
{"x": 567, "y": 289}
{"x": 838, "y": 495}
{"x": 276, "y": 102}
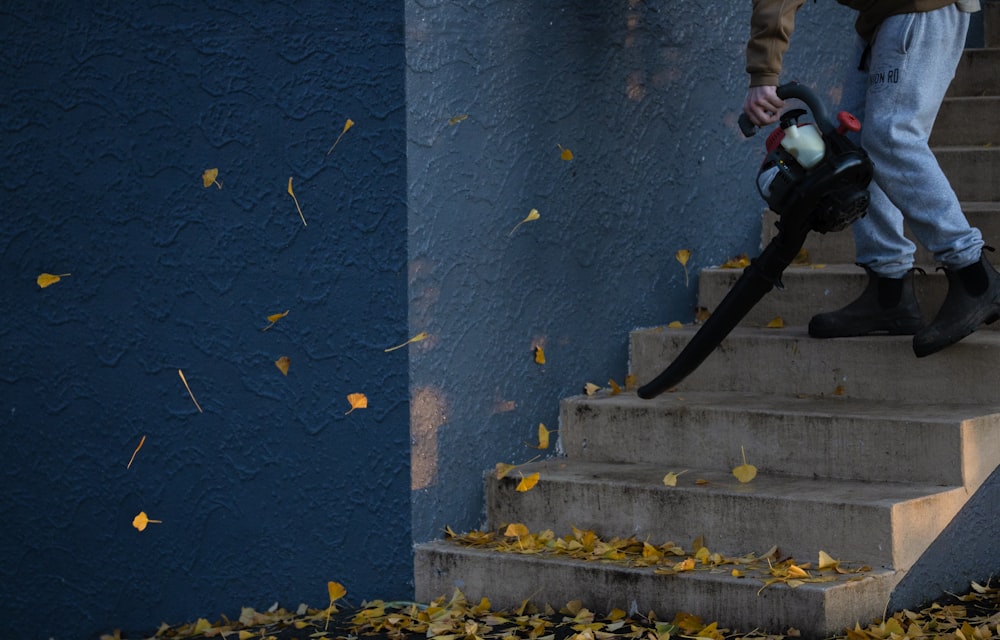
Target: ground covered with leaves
{"x": 974, "y": 615}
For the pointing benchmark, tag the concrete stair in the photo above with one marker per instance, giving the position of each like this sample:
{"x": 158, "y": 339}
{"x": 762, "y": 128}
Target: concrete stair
{"x": 862, "y": 450}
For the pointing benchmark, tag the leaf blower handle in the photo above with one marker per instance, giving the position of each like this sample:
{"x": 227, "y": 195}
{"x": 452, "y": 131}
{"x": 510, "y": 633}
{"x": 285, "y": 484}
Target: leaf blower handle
{"x": 806, "y": 95}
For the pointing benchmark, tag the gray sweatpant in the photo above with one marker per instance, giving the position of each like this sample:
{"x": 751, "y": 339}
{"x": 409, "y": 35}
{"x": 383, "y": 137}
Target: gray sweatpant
{"x": 896, "y": 94}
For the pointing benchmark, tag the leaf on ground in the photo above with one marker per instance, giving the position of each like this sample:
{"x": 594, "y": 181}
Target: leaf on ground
{"x": 296, "y": 201}
{"x": 676, "y": 324}
{"x": 745, "y": 472}
{"x": 190, "y": 393}
{"x": 565, "y": 154}
{"x": 528, "y": 482}
{"x": 590, "y": 388}
{"x": 543, "y": 436}
{"x": 682, "y": 256}
{"x": 456, "y": 119}
{"x": 777, "y": 322}
{"x": 516, "y": 530}
{"x": 142, "y": 441}
{"x": 347, "y": 125}
{"x": 615, "y": 388}
{"x": 741, "y": 262}
{"x": 670, "y": 479}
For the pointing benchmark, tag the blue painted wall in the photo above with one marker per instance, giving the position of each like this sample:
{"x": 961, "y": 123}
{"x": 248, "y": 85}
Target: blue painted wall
{"x": 646, "y": 95}
{"x": 109, "y": 114}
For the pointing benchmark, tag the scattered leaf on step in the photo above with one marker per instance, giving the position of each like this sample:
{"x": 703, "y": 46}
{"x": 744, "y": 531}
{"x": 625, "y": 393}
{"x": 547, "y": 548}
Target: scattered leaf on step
{"x": 539, "y": 355}
{"x": 776, "y": 323}
{"x": 273, "y": 318}
{"x": 347, "y": 125}
{"x": 670, "y": 479}
{"x": 839, "y": 391}
{"x": 682, "y": 256}
{"x": 528, "y": 482}
{"x": 741, "y": 262}
{"x": 590, "y": 388}
{"x": 210, "y": 177}
{"x": 701, "y": 314}
{"x": 745, "y": 472}
{"x": 283, "y": 363}
{"x": 423, "y": 335}
{"x": 142, "y": 441}
{"x": 676, "y": 324}
{"x": 615, "y": 389}
{"x": 141, "y": 521}
{"x": 49, "y": 279}
{"x": 190, "y": 393}
{"x": 516, "y": 530}
{"x": 565, "y": 154}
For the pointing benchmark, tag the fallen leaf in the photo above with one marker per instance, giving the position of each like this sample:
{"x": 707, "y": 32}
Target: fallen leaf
{"x": 776, "y": 323}
{"x": 209, "y": 177}
{"x": 615, "y": 389}
{"x": 273, "y": 318}
{"x": 142, "y": 441}
{"x": 745, "y": 472}
{"x": 528, "y": 482}
{"x": 532, "y": 215}
{"x": 283, "y": 363}
{"x": 423, "y": 335}
{"x": 347, "y": 125}
{"x": 682, "y": 256}
{"x": 670, "y": 479}
{"x": 737, "y": 263}
{"x": 565, "y": 154}
{"x": 190, "y": 393}
{"x": 456, "y": 119}
{"x": 142, "y": 520}
{"x": 839, "y": 391}
{"x": 296, "y": 201}
{"x": 516, "y": 530}
{"x": 590, "y": 388}
{"x": 49, "y": 279}
{"x": 543, "y": 436}
{"x": 539, "y": 355}
{"x": 701, "y": 314}
{"x": 676, "y": 324}
{"x": 631, "y": 381}
{"x": 358, "y": 401}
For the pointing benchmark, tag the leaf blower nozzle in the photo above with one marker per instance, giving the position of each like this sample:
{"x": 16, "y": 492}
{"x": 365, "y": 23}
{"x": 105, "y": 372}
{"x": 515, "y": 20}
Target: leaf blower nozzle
{"x": 816, "y": 179}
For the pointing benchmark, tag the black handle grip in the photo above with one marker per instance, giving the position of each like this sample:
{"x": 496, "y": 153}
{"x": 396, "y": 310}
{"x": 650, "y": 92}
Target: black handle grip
{"x": 806, "y": 95}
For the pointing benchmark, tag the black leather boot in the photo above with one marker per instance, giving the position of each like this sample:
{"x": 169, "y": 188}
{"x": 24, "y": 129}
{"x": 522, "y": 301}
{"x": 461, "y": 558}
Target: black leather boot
{"x": 886, "y": 306}
{"x": 973, "y": 298}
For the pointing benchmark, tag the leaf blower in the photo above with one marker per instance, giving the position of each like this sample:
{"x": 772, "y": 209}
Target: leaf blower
{"x": 815, "y": 179}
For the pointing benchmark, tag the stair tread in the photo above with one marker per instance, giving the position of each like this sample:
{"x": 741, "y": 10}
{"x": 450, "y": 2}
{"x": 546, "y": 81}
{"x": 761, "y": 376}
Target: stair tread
{"x": 748, "y": 402}
{"x": 723, "y": 483}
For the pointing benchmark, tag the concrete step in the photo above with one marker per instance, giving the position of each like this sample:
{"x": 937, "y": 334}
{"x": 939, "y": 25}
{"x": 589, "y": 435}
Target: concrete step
{"x": 970, "y": 120}
{"x": 815, "y": 437}
{"x": 974, "y": 171}
{"x": 809, "y": 290}
{"x": 991, "y": 23}
{"x": 802, "y": 516}
{"x": 508, "y": 579}
{"x": 976, "y": 74}
{"x": 839, "y": 247}
{"x": 788, "y": 362}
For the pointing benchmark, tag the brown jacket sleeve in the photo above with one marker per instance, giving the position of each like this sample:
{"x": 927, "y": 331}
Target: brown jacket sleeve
{"x": 771, "y": 26}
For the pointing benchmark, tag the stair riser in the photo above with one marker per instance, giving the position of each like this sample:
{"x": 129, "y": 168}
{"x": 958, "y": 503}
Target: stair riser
{"x": 788, "y": 362}
{"x": 968, "y": 121}
{"x": 972, "y": 171}
{"x": 991, "y": 23}
{"x": 672, "y": 433}
{"x": 734, "y": 522}
{"x": 831, "y": 248}
{"x": 509, "y": 579}
{"x": 811, "y": 291}
{"x": 976, "y": 74}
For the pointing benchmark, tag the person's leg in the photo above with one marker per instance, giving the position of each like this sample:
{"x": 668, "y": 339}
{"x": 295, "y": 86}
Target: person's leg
{"x": 913, "y": 60}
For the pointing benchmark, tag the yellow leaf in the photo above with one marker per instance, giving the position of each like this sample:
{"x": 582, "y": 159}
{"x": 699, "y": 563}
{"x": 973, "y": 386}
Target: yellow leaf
{"x": 826, "y": 561}
{"x": 336, "y": 590}
{"x": 516, "y": 530}
{"x": 615, "y": 389}
{"x": 736, "y": 573}
{"x": 676, "y": 324}
{"x": 358, "y": 401}
{"x": 503, "y": 469}
{"x": 839, "y": 391}
{"x": 296, "y": 201}
{"x": 565, "y": 154}
{"x": 273, "y": 318}
{"x": 49, "y": 279}
{"x": 201, "y": 626}
{"x": 683, "y": 255}
{"x": 795, "y": 571}
{"x": 631, "y": 382}
{"x": 142, "y": 520}
{"x": 190, "y": 393}
{"x": 701, "y": 481}
{"x": 347, "y": 125}
{"x": 776, "y": 323}
{"x": 456, "y": 119}
{"x": 543, "y": 436}
{"x": 209, "y": 177}
{"x": 685, "y": 565}
{"x": 745, "y": 472}
{"x": 539, "y": 355}
{"x": 528, "y": 482}
{"x": 283, "y": 363}
{"x": 532, "y": 215}
{"x": 737, "y": 263}
{"x": 671, "y": 478}
{"x": 423, "y": 335}
{"x": 590, "y": 388}
{"x": 142, "y": 441}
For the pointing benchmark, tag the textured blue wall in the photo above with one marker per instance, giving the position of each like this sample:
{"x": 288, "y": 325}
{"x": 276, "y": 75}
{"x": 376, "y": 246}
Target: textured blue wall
{"x": 646, "y": 95}
{"x": 109, "y": 114}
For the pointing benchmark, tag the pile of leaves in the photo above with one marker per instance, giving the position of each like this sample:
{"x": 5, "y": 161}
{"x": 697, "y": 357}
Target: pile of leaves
{"x": 972, "y": 616}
